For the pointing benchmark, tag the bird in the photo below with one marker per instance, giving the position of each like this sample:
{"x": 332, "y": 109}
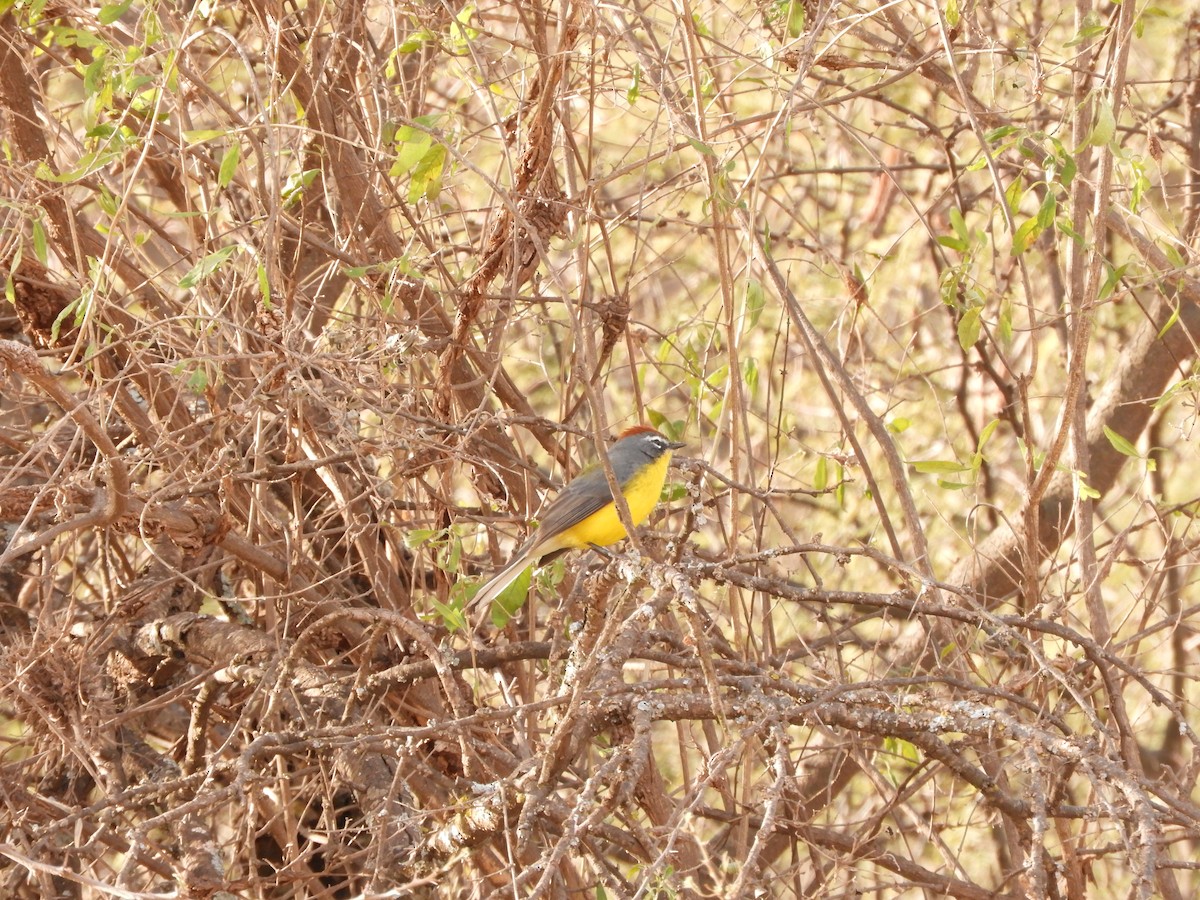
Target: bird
{"x": 584, "y": 515}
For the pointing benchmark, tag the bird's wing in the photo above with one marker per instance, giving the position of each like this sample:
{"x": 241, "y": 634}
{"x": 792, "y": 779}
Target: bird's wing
{"x": 587, "y": 494}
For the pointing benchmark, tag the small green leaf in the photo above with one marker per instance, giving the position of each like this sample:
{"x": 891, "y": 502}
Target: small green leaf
{"x": 1120, "y": 444}
{"x": 796, "y": 18}
{"x": 755, "y": 301}
{"x": 701, "y": 147}
{"x": 952, "y": 485}
{"x": 1045, "y": 214}
{"x": 419, "y": 537}
{"x": 939, "y": 466}
{"x": 1187, "y": 384}
{"x": 113, "y": 11}
{"x": 415, "y": 41}
{"x": 959, "y": 224}
{"x": 1114, "y": 276}
{"x": 635, "y": 85}
{"x": 412, "y": 145}
{"x": 969, "y": 327}
{"x": 39, "y": 242}
{"x": 461, "y": 32}
{"x": 427, "y": 177}
{"x": 1091, "y": 26}
{"x": 229, "y": 164}
{"x": 1006, "y": 322}
{"x": 986, "y": 435}
{"x": 1170, "y": 322}
{"x": 1105, "y": 126}
{"x": 1000, "y": 133}
{"x": 899, "y": 425}
{"x": 207, "y": 266}
{"x": 77, "y": 308}
{"x": 452, "y": 617}
{"x": 200, "y": 135}
{"x": 1065, "y": 225}
{"x": 953, "y": 243}
{"x": 1025, "y": 235}
{"x": 296, "y": 183}
{"x": 821, "y": 476}
{"x": 197, "y": 381}
{"x": 1013, "y": 195}
{"x": 952, "y": 13}
{"x": 264, "y": 286}
{"x": 511, "y": 599}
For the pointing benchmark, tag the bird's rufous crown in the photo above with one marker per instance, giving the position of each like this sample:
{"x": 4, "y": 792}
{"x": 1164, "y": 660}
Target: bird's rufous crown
{"x": 636, "y": 429}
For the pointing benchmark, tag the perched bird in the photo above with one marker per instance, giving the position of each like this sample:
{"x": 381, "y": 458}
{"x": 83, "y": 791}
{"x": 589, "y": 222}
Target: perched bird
{"x": 584, "y": 514}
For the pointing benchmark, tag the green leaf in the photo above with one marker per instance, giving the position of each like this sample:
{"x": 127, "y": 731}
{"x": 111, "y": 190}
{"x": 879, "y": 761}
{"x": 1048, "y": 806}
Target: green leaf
{"x": 295, "y": 185}
{"x": 1000, "y": 133}
{"x": 207, "y": 266}
{"x": 821, "y": 476}
{"x": 953, "y": 243}
{"x": 1006, "y": 322}
{"x": 1067, "y": 172}
{"x": 1045, "y": 213}
{"x": 1013, "y": 195}
{"x": 755, "y": 301}
{"x": 415, "y": 41}
{"x": 952, "y": 13}
{"x": 1065, "y": 225}
{"x": 1025, "y": 235}
{"x": 959, "y": 224}
{"x": 39, "y": 241}
{"x": 1170, "y": 322}
{"x": 986, "y": 435}
{"x": 93, "y": 75}
{"x": 1092, "y": 26}
{"x": 899, "y": 425}
{"x": 969, "y": 327}
{"x": 264, "y": 286}
{"x": 461, "y": 32}
{"x": 511, "y": 599}
{"x": 952, "y": 485}
{"x": 200, "y": 135}
{"x": 451, "y": 616}
{"x": 635, "y": 85}
{"x": 750, "y": 373}
{"x": 939, "y": 466}
{"x": 113, "y": 11}
{"x": 1120, "y": 444}
{"x": 229, "y": 164}
{"x": 1187, "y": 384}
{"x": 77, "y": 308}
{"x": 1115, "y": 274}
{"x": 427, "y": 177}
{"x": 419, "y": 537}
{"x": 1105, "y": 126}
{"x": 701, "y": 147}
{"x": 796, "y": 18}
{"x": 412, "y": 145}
{"x": 197, "y": 381}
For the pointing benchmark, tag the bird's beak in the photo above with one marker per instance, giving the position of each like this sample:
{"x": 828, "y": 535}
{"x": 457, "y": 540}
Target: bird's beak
{"x": 675, "y": 445}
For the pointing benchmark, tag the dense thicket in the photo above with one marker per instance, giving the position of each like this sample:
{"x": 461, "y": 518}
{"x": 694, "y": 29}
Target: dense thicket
{"x": 310, "y": 305}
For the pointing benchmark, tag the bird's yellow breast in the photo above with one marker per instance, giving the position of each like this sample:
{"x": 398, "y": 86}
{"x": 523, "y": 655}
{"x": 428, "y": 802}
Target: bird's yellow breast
{"x": 604, "y": 526}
